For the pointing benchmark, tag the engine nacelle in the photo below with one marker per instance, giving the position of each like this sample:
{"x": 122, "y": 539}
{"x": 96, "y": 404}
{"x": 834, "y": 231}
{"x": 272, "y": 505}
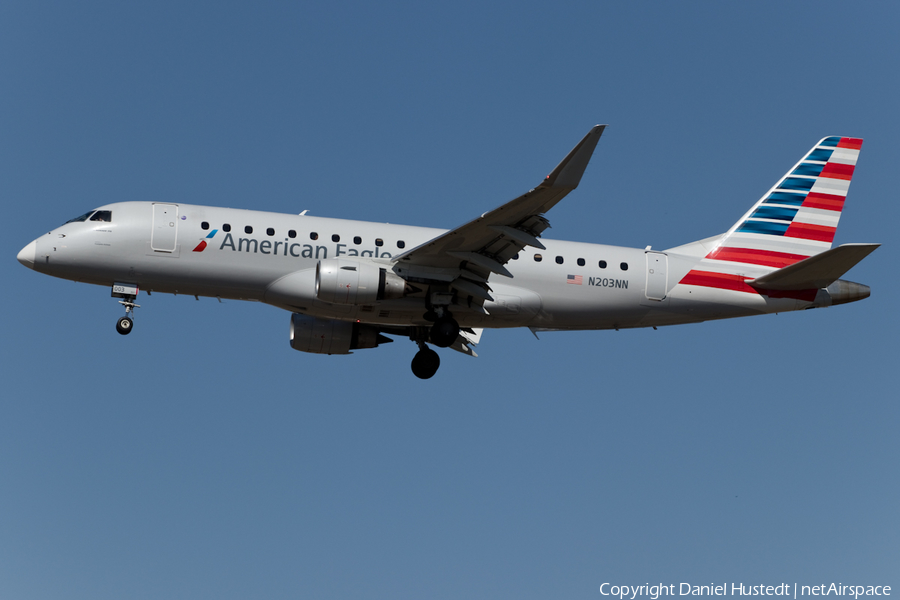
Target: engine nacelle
{"x": 330, "y": 336}
{"x": 343, "y": 281}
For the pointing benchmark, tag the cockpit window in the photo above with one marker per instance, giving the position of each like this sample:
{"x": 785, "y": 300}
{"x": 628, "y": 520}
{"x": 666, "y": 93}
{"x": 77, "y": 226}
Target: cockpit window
{"x": 81, "y": 218}
{"x": 102, "y": 215}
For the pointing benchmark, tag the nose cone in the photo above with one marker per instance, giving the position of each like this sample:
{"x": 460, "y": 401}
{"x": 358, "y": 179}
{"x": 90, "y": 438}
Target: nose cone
{"x": 26, "y": 255}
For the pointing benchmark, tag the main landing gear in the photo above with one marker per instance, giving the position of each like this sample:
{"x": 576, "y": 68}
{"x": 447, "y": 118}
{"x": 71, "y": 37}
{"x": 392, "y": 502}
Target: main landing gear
{"x": 445, "y": 329}
{"x": 442, "y": 333}
{"x": 426, "y": 362}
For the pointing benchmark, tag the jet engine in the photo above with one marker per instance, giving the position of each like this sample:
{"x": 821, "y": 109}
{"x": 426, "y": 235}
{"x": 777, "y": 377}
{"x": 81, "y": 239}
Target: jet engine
{"x": 330, "y": 336}
{"x": 342, "y": 281}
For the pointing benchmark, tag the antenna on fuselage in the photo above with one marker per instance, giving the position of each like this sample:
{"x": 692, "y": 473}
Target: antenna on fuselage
{"x": 304, "y": 212}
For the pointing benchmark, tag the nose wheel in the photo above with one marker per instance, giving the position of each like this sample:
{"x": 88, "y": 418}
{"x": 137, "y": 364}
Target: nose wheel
{"x": 124, "y": 325}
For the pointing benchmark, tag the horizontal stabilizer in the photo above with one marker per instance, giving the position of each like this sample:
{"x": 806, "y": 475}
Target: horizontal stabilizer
{"x": 817, "y": 271}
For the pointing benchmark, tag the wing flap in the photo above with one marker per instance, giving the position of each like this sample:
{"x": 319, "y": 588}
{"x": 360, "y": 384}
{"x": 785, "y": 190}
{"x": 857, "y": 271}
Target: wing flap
{"x": 466, "y": 341}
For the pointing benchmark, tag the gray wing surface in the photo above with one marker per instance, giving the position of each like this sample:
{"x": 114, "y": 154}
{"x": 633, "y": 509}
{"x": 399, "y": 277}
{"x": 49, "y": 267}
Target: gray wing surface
{"x": 466, "y": 256}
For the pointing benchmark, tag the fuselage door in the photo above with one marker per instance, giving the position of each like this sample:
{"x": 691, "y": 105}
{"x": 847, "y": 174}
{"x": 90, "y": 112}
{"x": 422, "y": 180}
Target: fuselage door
{"x": 164, "y": 235}
{"x": 657, "y": 269}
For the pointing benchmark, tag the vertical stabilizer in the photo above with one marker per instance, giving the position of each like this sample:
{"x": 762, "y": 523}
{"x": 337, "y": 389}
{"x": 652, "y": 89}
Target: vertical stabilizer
{"x": 794, "y": 220}
{"x": 798, "y": 217}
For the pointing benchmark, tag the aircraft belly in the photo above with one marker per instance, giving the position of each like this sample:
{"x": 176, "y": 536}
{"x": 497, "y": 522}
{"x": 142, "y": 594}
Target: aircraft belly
{"x": 591, "y": 304}
{"x": 713, "y": 303}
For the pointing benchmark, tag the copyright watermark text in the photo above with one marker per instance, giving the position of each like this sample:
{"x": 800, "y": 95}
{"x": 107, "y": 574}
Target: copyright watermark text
{"x": 653, "y": 592}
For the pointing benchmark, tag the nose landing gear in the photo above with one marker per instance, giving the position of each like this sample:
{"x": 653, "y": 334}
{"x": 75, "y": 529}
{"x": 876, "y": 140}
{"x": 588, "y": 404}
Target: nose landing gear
{"x": 128, "y": 293}
{"x": 126, "y": 323}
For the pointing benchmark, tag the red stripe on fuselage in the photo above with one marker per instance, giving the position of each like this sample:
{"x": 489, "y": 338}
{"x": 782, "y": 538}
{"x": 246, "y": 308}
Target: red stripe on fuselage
{"x": 755, "y": 257}
{"x": 722, "y": 281}
{"x": 738, "y": 283}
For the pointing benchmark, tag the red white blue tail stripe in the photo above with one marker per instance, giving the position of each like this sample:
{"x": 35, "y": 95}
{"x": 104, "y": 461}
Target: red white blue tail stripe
{"x": 794, "y": 220}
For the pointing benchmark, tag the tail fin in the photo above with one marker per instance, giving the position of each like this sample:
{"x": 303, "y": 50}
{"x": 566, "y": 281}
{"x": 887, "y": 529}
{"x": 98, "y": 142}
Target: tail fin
{"x": 793, "y": 221}
{"x": 798, "y": 217}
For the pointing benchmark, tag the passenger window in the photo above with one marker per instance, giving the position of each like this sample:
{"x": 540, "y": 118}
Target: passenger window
{"x": 204, "y": 225}
{"x": 623, "y": 266}
{"x": 335, "y": 238}
{"x": 102, "y": 215}
{"x": 401, "y": 244}
{"x": 538, "y": 258}
{"x": 559, "y": 260}
{"x": 580, "y": 262}
{"x": 379, "y": 242}
{"x": 248, "y": 229}
{"x": 226, "y": 227}
{"x": 270, "y": 231}
{"x": 292, "y": 233}
{"x": 357, "y": 240}
{"x": 602, "y": 264}
{"x": 313, "y": 236}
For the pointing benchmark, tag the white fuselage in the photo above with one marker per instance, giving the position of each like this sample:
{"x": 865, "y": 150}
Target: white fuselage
{"x": 573, "y": 285}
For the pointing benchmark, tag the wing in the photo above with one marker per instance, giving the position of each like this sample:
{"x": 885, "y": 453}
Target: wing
{"x": 466, "y": 256}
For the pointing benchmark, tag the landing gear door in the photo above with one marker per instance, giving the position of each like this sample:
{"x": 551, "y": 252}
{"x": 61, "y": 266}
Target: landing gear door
{"x": 657, "y": 274}
{"x": 164, "y": 235}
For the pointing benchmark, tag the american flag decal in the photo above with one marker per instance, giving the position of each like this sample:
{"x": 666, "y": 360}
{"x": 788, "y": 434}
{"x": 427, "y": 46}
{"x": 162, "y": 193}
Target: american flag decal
{"x": 576, "y": 279}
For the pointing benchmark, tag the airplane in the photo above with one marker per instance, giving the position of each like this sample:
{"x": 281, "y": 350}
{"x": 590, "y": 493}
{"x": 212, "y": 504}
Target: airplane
{"x": 349, "y": 284}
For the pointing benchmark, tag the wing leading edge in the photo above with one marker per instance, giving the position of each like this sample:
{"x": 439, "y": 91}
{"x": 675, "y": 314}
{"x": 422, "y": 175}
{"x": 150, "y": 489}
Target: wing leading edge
{"x": 465, "y": 257}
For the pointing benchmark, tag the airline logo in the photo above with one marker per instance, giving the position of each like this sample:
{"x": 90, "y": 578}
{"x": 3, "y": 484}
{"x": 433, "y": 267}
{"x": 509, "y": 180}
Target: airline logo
{"x": 202, "y": 245}
{"x": 806, "y": 204}
{"x": 796, "y": 219}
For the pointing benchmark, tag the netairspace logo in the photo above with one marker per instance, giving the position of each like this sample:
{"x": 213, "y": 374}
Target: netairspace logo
{"x": 654, "y": 592}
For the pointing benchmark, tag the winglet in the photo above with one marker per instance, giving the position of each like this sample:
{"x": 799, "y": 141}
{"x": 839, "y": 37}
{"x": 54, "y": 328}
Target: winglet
{"x": 568, "y": 173}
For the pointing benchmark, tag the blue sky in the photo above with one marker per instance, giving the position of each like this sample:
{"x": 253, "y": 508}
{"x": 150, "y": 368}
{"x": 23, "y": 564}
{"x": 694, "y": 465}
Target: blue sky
{"x": 201, "y": 457}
